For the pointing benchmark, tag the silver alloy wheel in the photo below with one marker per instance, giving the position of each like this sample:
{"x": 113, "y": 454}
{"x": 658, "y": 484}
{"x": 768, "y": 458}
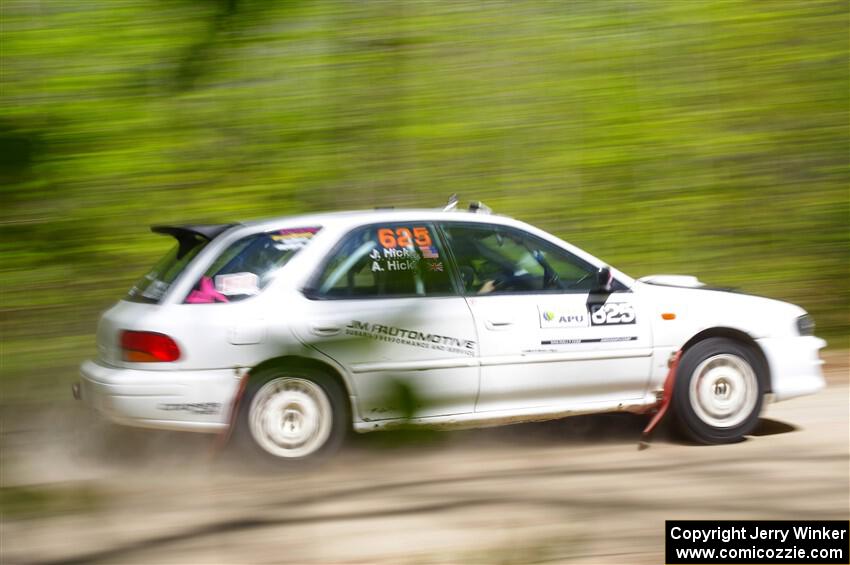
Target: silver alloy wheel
{"x": 290, "y": 417}
{"x": 723, "y": 390}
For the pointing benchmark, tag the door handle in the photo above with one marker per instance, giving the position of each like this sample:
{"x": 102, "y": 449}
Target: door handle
{"x": 499, "y": 324}
{"x": 325, "y": 330}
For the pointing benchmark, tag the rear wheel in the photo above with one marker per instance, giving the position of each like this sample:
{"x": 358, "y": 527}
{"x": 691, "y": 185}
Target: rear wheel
{"x": 292, "y": 417}
{"x": 719, "y": 391}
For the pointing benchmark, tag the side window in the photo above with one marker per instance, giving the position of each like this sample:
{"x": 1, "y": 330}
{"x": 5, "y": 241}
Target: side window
{"x": 386, "y": 260}
{"x": 497, "y": 259}
{"x": 248, "y": 265}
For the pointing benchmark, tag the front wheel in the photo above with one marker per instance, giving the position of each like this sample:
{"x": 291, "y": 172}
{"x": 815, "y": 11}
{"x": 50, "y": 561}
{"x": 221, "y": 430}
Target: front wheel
{"x": 719, "y": 391}
{"x": 292, "y": 417}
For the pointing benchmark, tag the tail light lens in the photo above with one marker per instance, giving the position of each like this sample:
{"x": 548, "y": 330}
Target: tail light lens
{"x": 148, "y": 347}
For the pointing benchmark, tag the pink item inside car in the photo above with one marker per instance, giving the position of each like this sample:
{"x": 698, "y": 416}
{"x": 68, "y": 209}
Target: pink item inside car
{"x": 206, "y": 293}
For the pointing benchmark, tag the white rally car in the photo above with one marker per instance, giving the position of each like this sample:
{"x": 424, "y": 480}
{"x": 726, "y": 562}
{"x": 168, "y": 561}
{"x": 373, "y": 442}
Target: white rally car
{"x": 293, "y": 331}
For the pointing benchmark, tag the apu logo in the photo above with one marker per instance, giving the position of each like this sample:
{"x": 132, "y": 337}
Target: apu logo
{"x": 563, "y": 319}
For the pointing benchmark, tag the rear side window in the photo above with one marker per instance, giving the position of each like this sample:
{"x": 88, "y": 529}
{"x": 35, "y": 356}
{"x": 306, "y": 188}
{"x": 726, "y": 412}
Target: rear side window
{"x": 385, "y": 260}
{"x": 152, "y": 287}
{"x": 247, "y": 266}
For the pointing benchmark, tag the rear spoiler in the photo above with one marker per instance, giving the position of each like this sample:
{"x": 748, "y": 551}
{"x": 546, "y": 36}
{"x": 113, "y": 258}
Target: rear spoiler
{"x": 187, "y": 236}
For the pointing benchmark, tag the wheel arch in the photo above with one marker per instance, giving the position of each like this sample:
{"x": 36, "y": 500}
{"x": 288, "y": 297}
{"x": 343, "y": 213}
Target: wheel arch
{"x": 741, "y": 337}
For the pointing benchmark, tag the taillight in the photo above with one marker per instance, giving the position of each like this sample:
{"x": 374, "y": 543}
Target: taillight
{"x": 147, "y": 347}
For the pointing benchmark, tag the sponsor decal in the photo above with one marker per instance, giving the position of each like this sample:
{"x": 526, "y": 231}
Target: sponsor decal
{"x": 292, "y": 238}
{"x": 591, "y": 340}
{"x": 561, "y": 318}
{"x": 204, "y": 408}
{"x": 612, "y": 313}
{"x": 414, "y": 338}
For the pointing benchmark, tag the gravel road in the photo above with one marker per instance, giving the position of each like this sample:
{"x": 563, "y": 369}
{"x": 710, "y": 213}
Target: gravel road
{"x": 573, "y": 491}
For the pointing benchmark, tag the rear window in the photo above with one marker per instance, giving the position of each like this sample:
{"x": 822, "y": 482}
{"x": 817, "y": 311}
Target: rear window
{"x": 152, "y": 287}
{"x": 247, "y": 266}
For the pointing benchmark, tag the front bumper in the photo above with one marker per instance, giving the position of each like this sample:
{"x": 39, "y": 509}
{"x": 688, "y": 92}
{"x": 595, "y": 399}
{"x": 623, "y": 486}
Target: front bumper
{"x": 795, "y": 366}
{"x": 173, "y": 400}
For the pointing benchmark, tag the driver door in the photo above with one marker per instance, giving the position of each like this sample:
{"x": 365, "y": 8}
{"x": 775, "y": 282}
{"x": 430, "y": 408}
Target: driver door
{"x": 546, "y": 339}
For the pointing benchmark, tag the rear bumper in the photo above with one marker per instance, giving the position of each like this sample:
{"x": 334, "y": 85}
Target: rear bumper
{"x": 795, "y": 366}
{"x": 173, "y": 400}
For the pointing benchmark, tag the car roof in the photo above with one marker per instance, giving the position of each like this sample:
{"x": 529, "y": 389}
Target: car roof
{"x": 356, "y": 217}
{"x": 342, "y": 221}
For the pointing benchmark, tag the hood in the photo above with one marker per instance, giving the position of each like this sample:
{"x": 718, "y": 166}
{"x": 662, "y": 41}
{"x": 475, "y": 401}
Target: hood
{"x": 682, "y": 281}
{"x": 701, "y": 306}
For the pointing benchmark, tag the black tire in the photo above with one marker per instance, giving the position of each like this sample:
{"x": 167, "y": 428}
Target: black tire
{"x": 273, "y": 393}
{"x": 719, "y": 391}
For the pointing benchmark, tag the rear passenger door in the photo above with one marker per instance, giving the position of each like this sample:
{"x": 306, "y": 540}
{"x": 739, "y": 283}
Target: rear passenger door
{"x": 384, "y": 305}
{"x": 547, "y": 340}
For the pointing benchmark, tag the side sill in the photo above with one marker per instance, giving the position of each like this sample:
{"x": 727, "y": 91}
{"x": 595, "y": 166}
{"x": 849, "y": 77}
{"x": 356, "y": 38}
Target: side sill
{"x": 505, "y": 417}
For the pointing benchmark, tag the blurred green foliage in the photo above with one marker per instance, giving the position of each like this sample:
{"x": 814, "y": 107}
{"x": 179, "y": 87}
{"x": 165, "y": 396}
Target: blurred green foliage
{"x": 708, "y": 138}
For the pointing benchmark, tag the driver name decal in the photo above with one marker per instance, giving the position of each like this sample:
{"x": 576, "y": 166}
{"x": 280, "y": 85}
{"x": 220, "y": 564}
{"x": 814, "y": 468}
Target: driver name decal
{"x": 404, "y": 259}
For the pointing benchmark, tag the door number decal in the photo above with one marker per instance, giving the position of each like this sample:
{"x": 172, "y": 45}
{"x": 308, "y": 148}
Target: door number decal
{"x": 613, "y": 313}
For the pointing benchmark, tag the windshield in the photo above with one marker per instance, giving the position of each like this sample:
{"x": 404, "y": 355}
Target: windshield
{"x": 152, "y": 287}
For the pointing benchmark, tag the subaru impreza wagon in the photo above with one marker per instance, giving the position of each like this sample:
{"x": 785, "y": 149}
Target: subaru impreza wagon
{"x": 293, "y": 331}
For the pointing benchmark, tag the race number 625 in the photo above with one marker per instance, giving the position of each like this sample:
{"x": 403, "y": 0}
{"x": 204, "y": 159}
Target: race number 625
{"x": 610, "y": 314}
{"x": 404, "y": 237}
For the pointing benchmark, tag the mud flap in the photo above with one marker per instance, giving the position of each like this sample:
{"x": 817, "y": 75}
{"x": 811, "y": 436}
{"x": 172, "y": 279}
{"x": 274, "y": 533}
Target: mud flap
{"x": 223, "y": 438}
{"x": 662, "y": 407}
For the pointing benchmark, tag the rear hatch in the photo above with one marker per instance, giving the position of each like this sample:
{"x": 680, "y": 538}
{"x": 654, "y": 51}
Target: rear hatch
{"x": 143, "y": 299}
{"x": 213, "y": 325}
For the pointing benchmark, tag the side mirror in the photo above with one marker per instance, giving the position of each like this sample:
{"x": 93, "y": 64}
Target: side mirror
{"x": 604, "y": 279}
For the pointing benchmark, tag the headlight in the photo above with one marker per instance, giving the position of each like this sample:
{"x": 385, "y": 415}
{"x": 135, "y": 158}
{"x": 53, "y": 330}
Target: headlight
{"x": 805, "y": 325}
